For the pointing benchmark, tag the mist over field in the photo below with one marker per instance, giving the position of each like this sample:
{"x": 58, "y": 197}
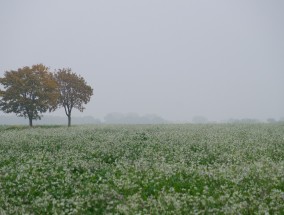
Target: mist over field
{"x": 175, "y": 59}
{"x": 182, "y": 107}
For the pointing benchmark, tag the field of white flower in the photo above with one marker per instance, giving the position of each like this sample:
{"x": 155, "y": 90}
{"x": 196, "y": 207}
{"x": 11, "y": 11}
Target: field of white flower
{"x": 165, "y": 169}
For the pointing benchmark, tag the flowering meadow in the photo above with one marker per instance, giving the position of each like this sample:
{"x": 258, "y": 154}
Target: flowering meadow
{"x": 143, "y": 169}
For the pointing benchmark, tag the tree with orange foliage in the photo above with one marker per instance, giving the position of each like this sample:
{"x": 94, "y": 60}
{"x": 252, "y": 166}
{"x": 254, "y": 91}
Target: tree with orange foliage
{"x": 74, "y": 91}
{"x": 29, "y": 92}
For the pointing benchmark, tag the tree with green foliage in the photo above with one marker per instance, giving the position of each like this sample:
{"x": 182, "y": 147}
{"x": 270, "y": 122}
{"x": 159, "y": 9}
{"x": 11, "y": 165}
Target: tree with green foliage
{"x": 29, "y": 92}
{"x": 74, "y": 91}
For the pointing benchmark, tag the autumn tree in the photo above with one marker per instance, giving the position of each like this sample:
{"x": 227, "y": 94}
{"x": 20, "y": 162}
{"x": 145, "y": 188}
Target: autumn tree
{"x": 74, "y": 91}
{"x": 29, "y": 92}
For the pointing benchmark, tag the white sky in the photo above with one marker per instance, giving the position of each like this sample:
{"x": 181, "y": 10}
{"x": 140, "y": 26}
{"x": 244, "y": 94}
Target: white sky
{"x": 220, "y": 59}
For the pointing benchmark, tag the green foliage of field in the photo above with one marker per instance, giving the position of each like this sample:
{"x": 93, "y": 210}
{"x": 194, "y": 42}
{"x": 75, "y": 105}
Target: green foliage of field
{"x": 165, "y": 169}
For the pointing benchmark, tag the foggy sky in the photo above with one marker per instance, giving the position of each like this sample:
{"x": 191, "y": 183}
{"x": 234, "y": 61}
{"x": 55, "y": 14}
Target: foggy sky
{"x": 178, "y": 59}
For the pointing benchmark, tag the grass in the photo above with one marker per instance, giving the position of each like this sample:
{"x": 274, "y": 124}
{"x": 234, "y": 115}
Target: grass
{"x": 153, "y": 169}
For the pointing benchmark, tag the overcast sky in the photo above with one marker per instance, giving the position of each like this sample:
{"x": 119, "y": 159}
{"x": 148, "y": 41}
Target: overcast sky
{"x": 176, "y": 58}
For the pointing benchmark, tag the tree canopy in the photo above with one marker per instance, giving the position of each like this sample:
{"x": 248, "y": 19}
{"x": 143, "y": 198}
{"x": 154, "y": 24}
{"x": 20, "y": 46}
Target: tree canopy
{"x": 74, "y": 91}
{"x": 29, "y": 92}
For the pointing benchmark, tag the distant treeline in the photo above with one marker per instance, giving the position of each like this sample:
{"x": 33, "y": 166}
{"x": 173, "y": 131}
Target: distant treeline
{"x": 133, "y": 118}
{"x": 112, "y": 118}
{"x": 119, "y": 118}
{"x": 252, "y": 121}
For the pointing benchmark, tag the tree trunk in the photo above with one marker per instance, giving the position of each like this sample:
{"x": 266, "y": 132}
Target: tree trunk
{"x": 69, "y": 120}
{"x": 31, "y": 121}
